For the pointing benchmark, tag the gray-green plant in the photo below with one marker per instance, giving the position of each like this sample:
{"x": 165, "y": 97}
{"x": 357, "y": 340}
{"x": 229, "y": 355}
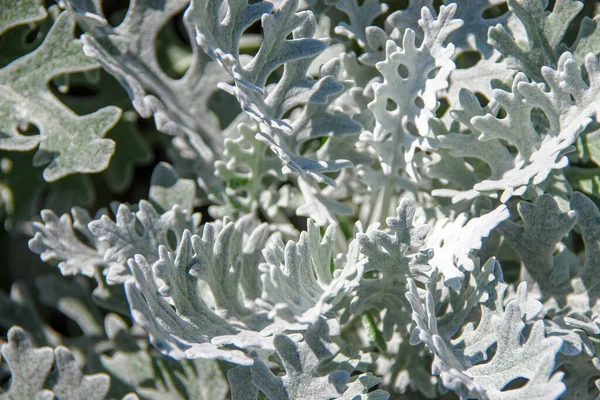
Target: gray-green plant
{"x": 317, "y": 199}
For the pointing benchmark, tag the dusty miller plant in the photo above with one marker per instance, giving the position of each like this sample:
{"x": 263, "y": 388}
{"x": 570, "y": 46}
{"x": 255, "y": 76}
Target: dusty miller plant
{"x": 318, "y": 199}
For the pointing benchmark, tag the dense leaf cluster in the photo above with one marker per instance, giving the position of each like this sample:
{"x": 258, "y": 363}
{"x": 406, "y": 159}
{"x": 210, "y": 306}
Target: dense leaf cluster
{"x": 447, "y": 157}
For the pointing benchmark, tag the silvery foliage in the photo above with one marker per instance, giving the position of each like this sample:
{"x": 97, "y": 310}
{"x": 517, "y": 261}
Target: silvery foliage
{"x": 394, "y": 286}
{"x": 67, "y": 142}
{"x": 219, "y": 37}
{"x": 30, "y": 368}
{"x": 105, "y": 341}
{"x": 108, "y": 244}
{"x": 461, "y": 367}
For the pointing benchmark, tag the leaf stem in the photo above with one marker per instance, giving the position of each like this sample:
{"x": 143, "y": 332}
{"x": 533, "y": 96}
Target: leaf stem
{"x": 374, "y": 334}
